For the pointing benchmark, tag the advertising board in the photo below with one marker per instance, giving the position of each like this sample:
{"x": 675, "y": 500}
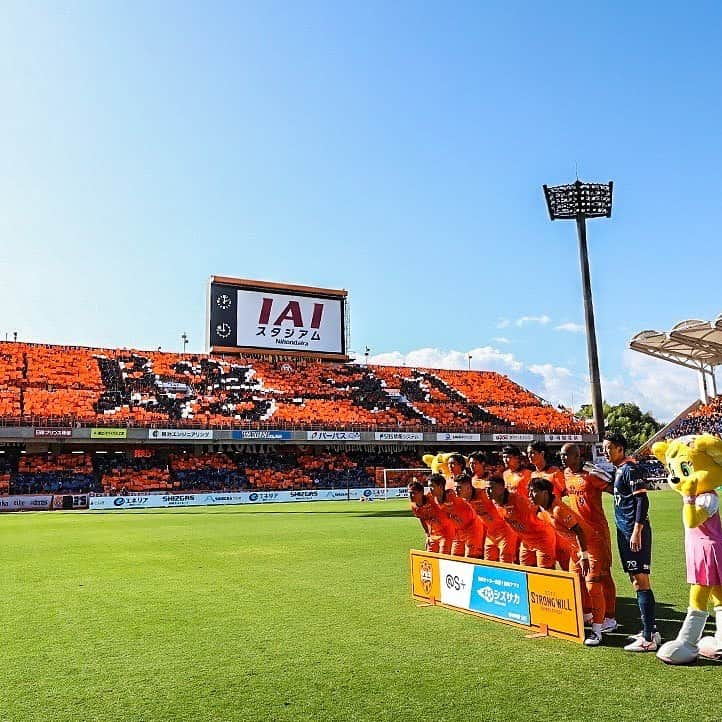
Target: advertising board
{"x": 180, "y": 434}
{"x": 398, "y": 436}
{"x": 333, "y": 435}
{"x": 265, "y": 435}
{"x": 538, "y": 599}
{"x": 164, "y": 501}
{"x": 105, "y": 433}
{"x": 458, "y": 437}
{"x": 26, "y": 502}
{"x": 512, "y": 437}
{"x": 49, "y": 432}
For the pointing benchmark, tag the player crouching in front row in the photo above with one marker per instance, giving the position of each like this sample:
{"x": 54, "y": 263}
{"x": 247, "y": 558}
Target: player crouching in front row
{"x": 435, "y": 521}
{"x": 469, "y": 529}
{"x": 521, "y": 516}
{"x": 501, "y": 542}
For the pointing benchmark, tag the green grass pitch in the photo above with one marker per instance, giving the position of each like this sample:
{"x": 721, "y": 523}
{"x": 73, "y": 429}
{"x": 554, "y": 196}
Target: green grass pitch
{"x": 300, "y": 612}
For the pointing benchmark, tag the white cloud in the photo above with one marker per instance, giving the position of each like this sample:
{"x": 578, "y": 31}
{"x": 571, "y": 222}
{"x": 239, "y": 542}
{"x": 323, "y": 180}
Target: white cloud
{"x": 570, "y": 327}
{"x": 660, "y": 387}
{"x": 655, "y": 386}
{"x": 484, "y": 358}
{"x": 503, "y": 323}
{"x": 557, "y": 384}
{"x": 524, "y": 320}
{"x": 501, "y": 339}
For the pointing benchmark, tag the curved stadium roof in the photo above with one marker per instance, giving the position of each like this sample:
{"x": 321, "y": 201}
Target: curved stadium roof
{"x": 693, "y": 343}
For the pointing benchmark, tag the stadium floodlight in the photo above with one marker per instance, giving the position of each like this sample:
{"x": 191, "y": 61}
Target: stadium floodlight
{"x": 184, "y": 338}
{"x": 367, "y": 351}
{"x": 470, "y": 357}
{"x": 579, "y": 201}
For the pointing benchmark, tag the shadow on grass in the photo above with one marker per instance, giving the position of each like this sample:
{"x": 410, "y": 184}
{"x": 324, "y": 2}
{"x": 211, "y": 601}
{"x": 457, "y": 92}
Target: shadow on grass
{"x": 669, "y": 621}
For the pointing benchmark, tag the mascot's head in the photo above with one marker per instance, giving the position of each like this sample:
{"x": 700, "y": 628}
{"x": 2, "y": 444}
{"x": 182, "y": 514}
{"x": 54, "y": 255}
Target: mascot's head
{"x": 694, "y": 463}
{"x": 443, "y": 463}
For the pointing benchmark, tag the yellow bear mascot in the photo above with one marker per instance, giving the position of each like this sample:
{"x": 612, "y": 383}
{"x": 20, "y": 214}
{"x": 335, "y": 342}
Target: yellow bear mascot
{"x": 695, "y": 471}
{"x": 448, "y": 465}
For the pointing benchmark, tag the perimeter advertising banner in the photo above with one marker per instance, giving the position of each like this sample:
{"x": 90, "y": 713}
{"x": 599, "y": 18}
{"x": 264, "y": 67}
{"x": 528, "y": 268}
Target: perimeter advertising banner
{"x": 512, "y": 437}
{"x": 52, "y": 432}
{"x": 538, "y": 599}
{"x": 26, "y": 502}
{"x": 277, "y": 318}
{"x": 105, "y": 433}
{"x": 180, "y": 434}
{"x": 165, "y": 501}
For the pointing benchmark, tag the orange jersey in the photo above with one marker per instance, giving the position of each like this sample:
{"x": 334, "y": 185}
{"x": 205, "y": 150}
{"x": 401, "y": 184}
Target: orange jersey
{"x": 517, "y": 481}
{"x": 461, "y": 514}
{"x": 486, "y": 511}
{"x": 585, "y": 496}
{"x": 562, "y": 519}
{"x": 520, "y": 514}
{"x": 555, "y": 475}
{"x": 436, "y": 521}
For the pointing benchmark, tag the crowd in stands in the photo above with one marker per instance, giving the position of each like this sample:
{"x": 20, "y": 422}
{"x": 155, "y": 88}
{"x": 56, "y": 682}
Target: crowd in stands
{"x": 42, "y": 384}
{"x": 54, "y": 473}
{"x": 184, "y": 471}
{"x": 704, "y": 419}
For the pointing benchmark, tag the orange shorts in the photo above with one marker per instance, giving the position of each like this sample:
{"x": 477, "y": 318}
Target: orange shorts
{"x": 501, "y": 548}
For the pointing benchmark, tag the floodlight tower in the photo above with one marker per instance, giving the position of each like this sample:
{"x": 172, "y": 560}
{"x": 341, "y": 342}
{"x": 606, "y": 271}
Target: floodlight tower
{"x": 580, "y": 201}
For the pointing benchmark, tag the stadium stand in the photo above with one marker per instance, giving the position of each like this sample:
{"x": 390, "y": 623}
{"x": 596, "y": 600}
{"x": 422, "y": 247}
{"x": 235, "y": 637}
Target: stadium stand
{"x": 704, "y": 419}
{"x": 120, "y": 475}
{"x": 43, "y": 384}
{"x": 54, "y": 473}
{"x": 6, "y": 470}
{"x": 148, "y": 471}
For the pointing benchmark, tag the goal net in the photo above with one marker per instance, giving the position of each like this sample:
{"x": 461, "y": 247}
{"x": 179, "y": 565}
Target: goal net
{"x": 394, "y": 480}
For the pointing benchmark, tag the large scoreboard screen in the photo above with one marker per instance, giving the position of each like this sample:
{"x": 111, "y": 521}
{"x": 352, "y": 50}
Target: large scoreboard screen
{"x": 276, "y": 318}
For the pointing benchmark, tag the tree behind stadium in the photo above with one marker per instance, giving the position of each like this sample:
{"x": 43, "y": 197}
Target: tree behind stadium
{"x": 627, "y": 418}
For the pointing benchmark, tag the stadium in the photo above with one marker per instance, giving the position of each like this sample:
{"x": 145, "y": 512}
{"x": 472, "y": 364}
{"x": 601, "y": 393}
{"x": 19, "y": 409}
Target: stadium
{"x": 140, "y": 437}
{"x": 389, "y": 464}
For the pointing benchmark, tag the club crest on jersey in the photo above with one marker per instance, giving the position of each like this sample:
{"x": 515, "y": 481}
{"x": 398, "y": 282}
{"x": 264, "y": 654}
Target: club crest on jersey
{"x": 426, "y": 575}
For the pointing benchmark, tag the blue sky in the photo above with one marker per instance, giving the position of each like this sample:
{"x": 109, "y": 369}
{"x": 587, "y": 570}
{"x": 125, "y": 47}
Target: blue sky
{"x": 393, "y": 149}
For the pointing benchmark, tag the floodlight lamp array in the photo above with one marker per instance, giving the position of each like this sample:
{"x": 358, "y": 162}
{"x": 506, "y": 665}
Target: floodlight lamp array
{"x": 591, "y": 200}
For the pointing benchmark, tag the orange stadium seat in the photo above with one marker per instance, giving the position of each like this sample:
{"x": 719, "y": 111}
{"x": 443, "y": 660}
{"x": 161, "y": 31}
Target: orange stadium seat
{"x": 94, "y": 386}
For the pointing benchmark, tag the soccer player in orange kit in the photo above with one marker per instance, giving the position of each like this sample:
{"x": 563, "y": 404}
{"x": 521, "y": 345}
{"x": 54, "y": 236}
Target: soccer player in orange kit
{"x": 516, "y": 479}
{"x": 585, "y": 484}
{"x": 521, "y": 515}
{"x": 516, "y": 475}
{"x": 477, "y": 466}
{"x": 435, "y": 521}
{"x": 469, "y": 529}
{"x": 538, "y": 454}
{"x": 501, "y": 542}
{"x": 585, "y": 547}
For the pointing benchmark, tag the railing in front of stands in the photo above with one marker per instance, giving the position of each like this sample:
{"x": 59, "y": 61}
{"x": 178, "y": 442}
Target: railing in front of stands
{"x": 73, "y": 422}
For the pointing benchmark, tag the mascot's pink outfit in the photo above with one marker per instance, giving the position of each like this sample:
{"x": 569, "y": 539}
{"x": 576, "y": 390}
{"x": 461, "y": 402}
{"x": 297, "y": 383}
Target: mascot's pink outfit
{"x": 703, "y": 546}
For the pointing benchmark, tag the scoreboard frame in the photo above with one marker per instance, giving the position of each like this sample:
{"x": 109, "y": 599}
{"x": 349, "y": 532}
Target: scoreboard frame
{"x": 218, "y": 284}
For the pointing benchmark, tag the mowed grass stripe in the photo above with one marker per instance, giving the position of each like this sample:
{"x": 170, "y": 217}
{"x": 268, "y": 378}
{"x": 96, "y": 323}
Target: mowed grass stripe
{"x": 291, "y": 612}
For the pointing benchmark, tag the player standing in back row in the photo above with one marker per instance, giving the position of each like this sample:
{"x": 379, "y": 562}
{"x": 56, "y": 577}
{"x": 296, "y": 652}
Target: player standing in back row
{"x": 585, "y": 484}
{"x": 634, "y": 535}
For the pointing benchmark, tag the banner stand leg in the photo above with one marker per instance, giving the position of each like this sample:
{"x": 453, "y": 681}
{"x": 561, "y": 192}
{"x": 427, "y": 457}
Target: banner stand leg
{"x": 430, "y": 603}
{"x": 543, "y": 632}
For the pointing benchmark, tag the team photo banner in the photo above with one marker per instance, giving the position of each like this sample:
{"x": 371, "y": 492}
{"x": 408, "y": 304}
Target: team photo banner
{"x": 544, "y": 600}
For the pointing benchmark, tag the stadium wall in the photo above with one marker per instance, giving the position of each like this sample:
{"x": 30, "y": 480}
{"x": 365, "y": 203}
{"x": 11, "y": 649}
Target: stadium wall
{"x": 134, "y": 436}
